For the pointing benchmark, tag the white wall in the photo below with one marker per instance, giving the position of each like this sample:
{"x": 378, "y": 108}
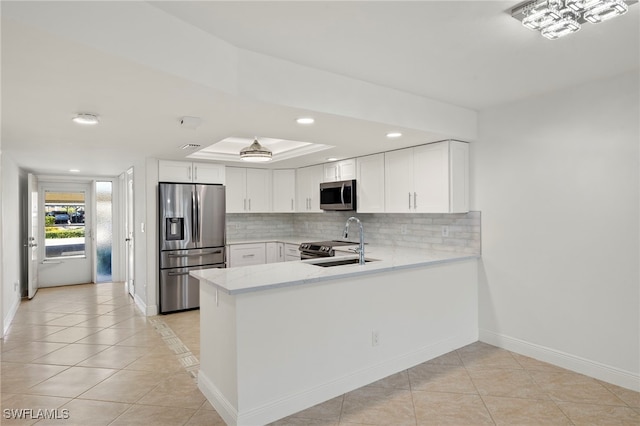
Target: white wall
{"x": 557, "y": 181}
{"x": 11, "y": 241}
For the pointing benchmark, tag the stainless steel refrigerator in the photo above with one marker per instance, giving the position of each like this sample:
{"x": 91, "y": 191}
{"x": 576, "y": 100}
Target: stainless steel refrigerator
{"x": 191, "y": 236}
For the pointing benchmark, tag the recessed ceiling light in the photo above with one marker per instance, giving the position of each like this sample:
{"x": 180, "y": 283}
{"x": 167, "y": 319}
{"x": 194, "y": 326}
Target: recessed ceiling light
{"x": 305, "y": 120}
{"x": 74, "y": 170}
{"x": 87, "y": 119}
{"x": 332, "y": 159}
{"x": 392, "y": 135}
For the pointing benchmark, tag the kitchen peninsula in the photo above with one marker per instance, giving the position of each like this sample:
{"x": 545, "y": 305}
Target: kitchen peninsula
{"x": 279, "y": 338}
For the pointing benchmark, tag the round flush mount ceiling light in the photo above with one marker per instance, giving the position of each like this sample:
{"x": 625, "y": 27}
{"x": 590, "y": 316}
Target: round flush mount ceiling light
{"x": 393, "y": 135}
{"x": 305, "y": 120}
{"x": 74, "y": 171}
{"x": 86, "y": 119}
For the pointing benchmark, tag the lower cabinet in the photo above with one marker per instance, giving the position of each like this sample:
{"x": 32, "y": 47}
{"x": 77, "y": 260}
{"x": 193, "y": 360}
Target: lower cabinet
{"x": 261, "y": 253}
{"x": 291, "y": 252}
{"x": 246, "y": 254}
{"x": 275, "y": 252}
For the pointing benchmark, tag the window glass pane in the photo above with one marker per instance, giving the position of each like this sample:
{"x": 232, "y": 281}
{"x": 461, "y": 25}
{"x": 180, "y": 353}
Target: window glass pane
{"x": 104, "y": 233}
{"x": 64, "y": 224}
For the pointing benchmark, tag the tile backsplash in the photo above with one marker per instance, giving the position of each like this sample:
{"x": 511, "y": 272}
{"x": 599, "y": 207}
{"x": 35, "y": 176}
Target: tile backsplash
{"x": 420, "y": 230}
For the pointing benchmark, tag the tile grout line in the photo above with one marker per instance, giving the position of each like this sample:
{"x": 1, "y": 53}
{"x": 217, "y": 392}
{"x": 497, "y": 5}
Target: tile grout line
{"x": 182, "y": 352}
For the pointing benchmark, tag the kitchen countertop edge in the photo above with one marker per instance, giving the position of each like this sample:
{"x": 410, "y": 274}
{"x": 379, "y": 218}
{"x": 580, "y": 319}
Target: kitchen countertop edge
{"x": 303, "y": 272}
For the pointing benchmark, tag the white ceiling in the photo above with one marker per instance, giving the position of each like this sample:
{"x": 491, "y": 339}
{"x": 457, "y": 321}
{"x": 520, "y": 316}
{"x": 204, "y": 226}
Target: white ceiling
{"x": 469, "y": 54}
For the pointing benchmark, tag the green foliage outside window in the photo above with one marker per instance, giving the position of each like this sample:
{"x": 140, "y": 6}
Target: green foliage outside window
{"x": 55, "y": 232}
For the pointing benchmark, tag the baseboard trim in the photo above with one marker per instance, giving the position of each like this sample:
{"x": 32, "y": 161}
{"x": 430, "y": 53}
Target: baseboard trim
{"x": 224, "y": 408}
{"x": 606, "y": 373}
{"x": 295, "y": 402}
{"x": 8, "y": 319}
{"x": 148, "y": 311}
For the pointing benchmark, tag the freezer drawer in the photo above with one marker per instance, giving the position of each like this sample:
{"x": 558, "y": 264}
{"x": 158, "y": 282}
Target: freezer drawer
{"x": 179, "y": 290}
{"x": 192, "y": 257}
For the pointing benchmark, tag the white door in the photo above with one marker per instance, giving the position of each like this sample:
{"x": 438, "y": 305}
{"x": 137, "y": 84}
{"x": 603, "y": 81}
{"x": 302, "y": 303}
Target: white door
{"x": 371, "y": 184}
{"x": 129, "y": 232}
{"x": 398, "y": 181}
{"x": 236, "y": 192}
{"x": 32, "y": 243}
{"x": 431, "y": 178}
{"x": 65, "y": 227}
{"x": 258, "y": 190}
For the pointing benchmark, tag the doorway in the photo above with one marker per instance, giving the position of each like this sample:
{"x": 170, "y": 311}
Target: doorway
{"x": 67, "y": 253}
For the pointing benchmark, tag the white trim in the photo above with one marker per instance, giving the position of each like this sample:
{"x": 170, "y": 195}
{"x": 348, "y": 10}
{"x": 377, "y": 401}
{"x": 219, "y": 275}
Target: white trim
{"x": 606, "y": 373}
{"x": 6, "y": 322}
{"x": 217, "y": 399}
{"x": 149, "y": 311}
{"x": 292, "y": 403}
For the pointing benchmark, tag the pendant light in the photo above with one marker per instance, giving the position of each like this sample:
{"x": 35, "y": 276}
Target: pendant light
{"x": 255, "y": 153}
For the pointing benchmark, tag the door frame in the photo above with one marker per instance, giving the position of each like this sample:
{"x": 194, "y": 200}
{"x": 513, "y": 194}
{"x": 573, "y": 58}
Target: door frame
{"x": 117, "y": 218}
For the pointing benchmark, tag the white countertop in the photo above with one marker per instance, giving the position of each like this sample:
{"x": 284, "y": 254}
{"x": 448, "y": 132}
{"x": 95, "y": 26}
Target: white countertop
{"x": 283, "y": 274}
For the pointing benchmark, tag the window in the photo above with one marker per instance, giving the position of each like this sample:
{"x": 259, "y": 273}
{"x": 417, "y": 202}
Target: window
{"x": 64, "y": 224}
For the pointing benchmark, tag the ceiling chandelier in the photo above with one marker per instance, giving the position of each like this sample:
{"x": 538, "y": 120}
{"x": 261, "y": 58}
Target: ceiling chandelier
{"x": 255, "y": 153}
{"x": 558, "y": 18}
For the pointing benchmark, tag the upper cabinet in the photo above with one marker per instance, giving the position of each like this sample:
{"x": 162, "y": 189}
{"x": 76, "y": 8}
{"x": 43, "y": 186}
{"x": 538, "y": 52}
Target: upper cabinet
{"x": 308, "y": 189}
{"x": 432, "y": 178}
{"x": 340, "y": 170}
{"x": 370, "y": 184}
{"x": 190, "y": 172}
{"x": 284, "y": 191}
{"x": 248, "y": 190}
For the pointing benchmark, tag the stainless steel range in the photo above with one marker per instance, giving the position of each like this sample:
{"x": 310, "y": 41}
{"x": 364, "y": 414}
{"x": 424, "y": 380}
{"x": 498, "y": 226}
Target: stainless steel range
{"x": 322, "y": 248}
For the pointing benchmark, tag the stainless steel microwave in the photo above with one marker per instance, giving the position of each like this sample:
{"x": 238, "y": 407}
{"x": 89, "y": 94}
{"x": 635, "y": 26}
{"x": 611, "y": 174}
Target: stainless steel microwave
{"x": 339, "y": 195}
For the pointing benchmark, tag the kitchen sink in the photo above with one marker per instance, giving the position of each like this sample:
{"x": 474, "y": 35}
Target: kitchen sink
{"x": 339, "y": 262}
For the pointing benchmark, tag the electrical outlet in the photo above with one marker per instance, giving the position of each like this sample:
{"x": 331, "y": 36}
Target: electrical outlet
{"x": 445, "y": 231}
{"x": 403, "y": 229}
{"x": 375, "y": 338}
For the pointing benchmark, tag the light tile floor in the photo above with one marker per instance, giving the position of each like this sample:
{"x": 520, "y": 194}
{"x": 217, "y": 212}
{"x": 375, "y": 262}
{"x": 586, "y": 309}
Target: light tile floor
{"x": 86, "y": 352}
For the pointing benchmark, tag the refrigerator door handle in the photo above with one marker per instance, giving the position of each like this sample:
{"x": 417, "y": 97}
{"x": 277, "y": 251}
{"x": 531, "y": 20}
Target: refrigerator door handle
{"x": 193, "y": 216}
{"x": 195, "y": 254}
{"x": 175, "y": 274}
{"x": 197, "y": 222}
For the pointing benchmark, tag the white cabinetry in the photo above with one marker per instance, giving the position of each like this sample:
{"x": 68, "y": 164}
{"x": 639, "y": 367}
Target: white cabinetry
{"x": 432, "y": 178}
{"x": 308, "y": 189}
{"x": 291, "y": 252}
{"x": 246, "y": 254}
{"x": 261, "y": 253}
{"x": 340, "y": 170}
{"x": 370, "y": 184}
{"x": 189, "y": 172}
{"x": 248, "y": 190}
{"x": 274, "y": 252}
{"x": 284, "y": 191}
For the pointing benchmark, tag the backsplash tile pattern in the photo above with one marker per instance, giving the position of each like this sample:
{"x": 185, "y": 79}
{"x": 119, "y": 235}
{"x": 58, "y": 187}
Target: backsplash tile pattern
{"x": 419, "y": 230}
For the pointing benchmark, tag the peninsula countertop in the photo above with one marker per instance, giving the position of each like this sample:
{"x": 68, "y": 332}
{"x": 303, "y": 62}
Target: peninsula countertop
{"x": 283, "y": 274}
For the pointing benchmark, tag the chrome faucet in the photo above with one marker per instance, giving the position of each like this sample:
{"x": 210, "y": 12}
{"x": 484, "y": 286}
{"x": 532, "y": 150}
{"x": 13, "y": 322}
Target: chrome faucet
{"x": 346, "y": 235}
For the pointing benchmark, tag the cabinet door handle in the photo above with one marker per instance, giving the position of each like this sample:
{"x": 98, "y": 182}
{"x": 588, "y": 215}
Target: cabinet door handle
{"x": 249, "y": 204}
{"x": 195, "y": 173}
{"x": 189, "y": 173}
{"x": 292, "y": 204}
{"x": 280, "y": 247}
{"x": 415, "y": 201}
{"x": 248, "y": 255}
{"x": 409, "y": 201}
